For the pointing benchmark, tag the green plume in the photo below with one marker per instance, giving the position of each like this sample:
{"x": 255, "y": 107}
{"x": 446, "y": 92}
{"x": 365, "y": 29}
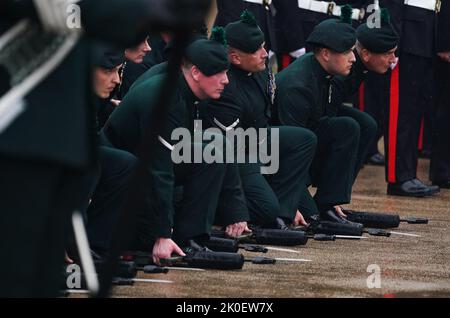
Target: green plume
{"x": 346, "y": 14}
{"x": 248, "y": 17}
{"x": 218, "y": 35}
{"x": 385, "y": 17}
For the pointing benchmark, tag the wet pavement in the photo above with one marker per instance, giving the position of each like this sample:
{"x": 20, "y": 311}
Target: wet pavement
{"x": 408, "y": 266}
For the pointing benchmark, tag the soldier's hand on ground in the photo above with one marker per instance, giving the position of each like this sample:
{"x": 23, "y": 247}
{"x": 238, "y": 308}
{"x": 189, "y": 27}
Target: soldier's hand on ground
{"x": 115, "y": 102}
{"x": 299, "y": 220}
{"x": 236, "y": 229}
{"x": 444, "y": 56}
{"x": 338, "y": 210}
{"x": 163, "y": 248}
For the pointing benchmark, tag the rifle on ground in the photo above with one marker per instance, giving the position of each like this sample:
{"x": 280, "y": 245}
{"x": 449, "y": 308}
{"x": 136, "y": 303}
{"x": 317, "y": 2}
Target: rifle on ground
{"x": 221, "y": 244}
{"x": 197, "y": 259}
{"x": 269, "y": 237}
{"x": 381, "y": 220}
{"x": 346, "y": 230}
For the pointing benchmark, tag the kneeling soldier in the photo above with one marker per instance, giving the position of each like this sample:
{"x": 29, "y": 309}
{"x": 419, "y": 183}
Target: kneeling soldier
{"x": 246, "y": 103}
{"x": 303, "y": 94}
{"x": 203, "y": 75}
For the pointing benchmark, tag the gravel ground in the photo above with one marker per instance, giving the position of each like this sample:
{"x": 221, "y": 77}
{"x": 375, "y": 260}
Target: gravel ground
{"x": 408, "y": 266}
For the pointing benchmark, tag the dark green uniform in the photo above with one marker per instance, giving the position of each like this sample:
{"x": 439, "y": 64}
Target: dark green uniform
{"x": 343, "y": 88}
{"x": 204, "y": 184}
{"x": 247, "y": 102}
{"x": 303, "y": 95}
{"x": 154, "y": 70}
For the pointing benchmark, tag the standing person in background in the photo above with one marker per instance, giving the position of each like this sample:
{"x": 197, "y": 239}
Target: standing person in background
{"x": 440, "y": 154}
{"x": 412, "y": 88}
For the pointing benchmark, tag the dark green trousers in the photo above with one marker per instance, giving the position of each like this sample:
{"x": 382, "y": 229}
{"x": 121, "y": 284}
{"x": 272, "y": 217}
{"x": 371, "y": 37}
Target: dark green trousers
{"x": 343, "y": 143}
{"x": 333, "y": 167}
{"x": 276, "y": 195}
{"x": 367, "y": 133}
{"x": 109, "y": 184}
{"x": 211, "y": 195}
{"x": 205, "y": 194}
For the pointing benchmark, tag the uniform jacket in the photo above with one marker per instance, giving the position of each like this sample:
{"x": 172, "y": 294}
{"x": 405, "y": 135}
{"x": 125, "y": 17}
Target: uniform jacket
{"x": 443, "y": 30}
{"x": 303, "y": 93}
{"x": 416, "y": 27}
{"x": 245, "y": 102}
{"x": 126, "y": 128}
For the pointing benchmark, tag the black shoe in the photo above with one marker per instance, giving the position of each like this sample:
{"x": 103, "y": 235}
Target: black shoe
{"x": 377, "y": 160}
{"x": 280, "y": 224}
{"x": 411, "y": 188}
{"x": 193, "y": 246}
{"x": 312, "y": 219}
{"x": 433, "y": 188}
{"x": 443, "y": 184}
{"x": 332, "y": 216}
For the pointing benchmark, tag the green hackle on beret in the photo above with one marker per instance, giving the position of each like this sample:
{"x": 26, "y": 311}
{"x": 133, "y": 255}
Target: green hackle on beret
{"x": 384, "y": 16}
{"x": 346, "y": 13}
{"x": 248, "y": 17}
{"x": 218, "y": 35}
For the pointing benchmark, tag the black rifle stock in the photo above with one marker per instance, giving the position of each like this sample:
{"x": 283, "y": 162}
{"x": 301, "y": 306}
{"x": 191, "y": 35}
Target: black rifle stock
{"x": 332, "y": 228}
{"x": 198, "y": 259}
{"x": 269, "y": 237}
{"x": 381, "y": 220}
{"x": 221, "y": 244}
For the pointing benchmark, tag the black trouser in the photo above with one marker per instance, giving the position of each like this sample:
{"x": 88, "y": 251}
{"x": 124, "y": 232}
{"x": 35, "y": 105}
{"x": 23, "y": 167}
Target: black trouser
{"x": 276, "y": 195}
{"x": 37, "y": 200}
{"x": 373, "y": 100}
{"x": 367, "y": 133}
{"x": 411, "y": 93}
{"x": 110, "y": 184}
{"x": 205, "y": 194}
{"x": 440, "y": 150}
{"x": 333, "y": 167}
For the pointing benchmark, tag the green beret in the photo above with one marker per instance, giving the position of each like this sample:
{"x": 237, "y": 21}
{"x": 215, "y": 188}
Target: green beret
{"x": 245, "y": 34}
{"x": 378, "y": 40}
{"x": 333, "y": 34}
{"x": 108, "y": 57}
{"x": 210, "y": 56}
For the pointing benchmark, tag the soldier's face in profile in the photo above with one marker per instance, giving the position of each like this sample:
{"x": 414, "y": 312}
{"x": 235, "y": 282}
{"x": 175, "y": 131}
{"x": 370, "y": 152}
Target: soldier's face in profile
{"x": 341, "y": 63}
{"x": 137, "y": 54}
{"x": 379, "y": 62}
{"x": 250, "y": 62}
{"x": 105, "y": 80}
{"x": 212, "y": 86}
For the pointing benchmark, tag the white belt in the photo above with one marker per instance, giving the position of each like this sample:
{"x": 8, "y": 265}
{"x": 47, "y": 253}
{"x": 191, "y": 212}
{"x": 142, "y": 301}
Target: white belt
{"x": 330, "y": 8}
{"x": 433, "y": 5}
{"x": 267, "y": 2}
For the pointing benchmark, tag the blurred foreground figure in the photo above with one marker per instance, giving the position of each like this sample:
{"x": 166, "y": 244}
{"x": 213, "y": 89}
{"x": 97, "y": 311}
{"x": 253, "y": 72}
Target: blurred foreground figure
{"x": 47, "y": 126}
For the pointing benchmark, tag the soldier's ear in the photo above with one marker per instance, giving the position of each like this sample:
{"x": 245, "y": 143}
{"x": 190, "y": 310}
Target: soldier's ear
{"x": 195, "y": 73}
{"x": 326, "y": 54}
{"x": 234, "y": 57}
{"x": 365, "y": 55}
